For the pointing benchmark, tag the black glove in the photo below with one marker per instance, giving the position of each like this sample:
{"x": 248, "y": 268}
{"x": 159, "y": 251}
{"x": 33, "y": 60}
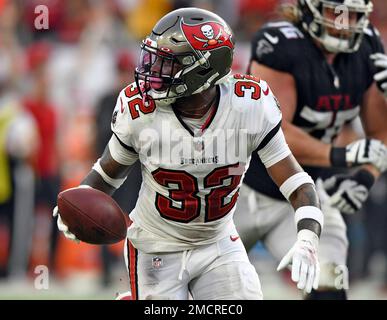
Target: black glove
{"x": 348, "y": 192}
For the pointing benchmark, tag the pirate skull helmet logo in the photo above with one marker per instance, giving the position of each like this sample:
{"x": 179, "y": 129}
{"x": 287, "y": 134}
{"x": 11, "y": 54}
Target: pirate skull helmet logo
{"x": 208, "y": 31}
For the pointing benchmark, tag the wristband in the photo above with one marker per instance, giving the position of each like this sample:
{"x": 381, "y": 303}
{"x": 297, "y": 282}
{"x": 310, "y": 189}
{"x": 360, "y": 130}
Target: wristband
{"x": 338, "y": 157}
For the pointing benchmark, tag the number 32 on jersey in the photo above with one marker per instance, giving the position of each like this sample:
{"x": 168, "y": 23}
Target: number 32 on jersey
{"x": 184, "y": 203}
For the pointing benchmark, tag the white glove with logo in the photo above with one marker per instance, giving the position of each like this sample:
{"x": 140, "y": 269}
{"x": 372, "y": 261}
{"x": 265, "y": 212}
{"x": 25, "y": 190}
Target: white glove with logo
{"x": 62, "y": 227}
{"x": 380, "y": 62}
{"x": 304, "y": 260}
{"x": 365, "y": 151}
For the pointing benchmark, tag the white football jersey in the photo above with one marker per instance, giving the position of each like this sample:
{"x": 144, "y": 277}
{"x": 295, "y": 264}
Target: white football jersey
{"x": 191, "y": 179}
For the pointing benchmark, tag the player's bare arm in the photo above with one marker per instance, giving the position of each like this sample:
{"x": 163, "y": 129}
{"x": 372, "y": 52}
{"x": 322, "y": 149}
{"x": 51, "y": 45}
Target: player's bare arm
{"x": 349, "y": 192}
{"x": 107, "y": 175}
{"x": 304, "y": 195}
{"x": 373, "y": 116}
{"x": 110, "y": 168}
{"x": 298, "y": 188}
{"x": 323, "y": 154}
{"x": 283, "y": 86}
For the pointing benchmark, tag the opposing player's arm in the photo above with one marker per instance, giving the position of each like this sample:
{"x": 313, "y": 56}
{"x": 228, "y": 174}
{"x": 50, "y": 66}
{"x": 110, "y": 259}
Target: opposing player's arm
{"x": 284, "y": 87}
{"x": 374, "y": 116}
{"x": 318, "y": 153}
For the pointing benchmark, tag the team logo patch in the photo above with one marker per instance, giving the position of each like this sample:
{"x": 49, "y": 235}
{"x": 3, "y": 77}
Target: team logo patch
{"x": 207, "y": 36}
{"x": 157, "y": 262}
{"x": 263, "y": 47}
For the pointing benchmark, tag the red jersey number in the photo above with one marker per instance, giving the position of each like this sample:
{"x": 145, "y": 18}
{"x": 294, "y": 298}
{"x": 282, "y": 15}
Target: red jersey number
{"x": 183, "y": 203}
{"x": 137, "y": 104}
{"x": 247, "y": 82}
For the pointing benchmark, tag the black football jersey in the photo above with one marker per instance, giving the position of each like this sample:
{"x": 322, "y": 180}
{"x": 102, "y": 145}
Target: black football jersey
{"x": 328, "y": 96}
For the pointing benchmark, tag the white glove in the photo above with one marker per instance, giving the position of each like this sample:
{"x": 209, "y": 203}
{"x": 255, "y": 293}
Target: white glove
{"x": 380, "y": 62}
{"x": 304, "y": 260}
{"x": 367, "y": 151}
{"x": 62, "y": 227}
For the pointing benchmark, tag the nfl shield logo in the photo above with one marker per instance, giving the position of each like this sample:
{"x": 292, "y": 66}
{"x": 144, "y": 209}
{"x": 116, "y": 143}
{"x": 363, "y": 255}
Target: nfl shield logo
{"x": 157, "y": 262}
{"x": 198, "y": 144}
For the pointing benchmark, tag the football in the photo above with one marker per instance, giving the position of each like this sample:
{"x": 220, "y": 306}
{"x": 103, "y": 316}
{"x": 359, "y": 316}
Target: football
{"x": 92, "y": 215}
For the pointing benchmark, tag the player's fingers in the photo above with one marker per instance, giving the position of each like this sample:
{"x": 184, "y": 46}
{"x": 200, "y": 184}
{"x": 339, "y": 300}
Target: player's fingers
{"x": 71, "y": 236}
{"x": 381, "y": 63}
{"x": 341, "y": 205}
{"x": 55, "y": 211}
{"x": 310, "y": 279}
{"x": 303, "y": 275}
{"x": 296, "y": 265}
{"x": 61, "y": 226}
{"x": 285, "y": 260}
{"x": 316, "y": 276}
{"x": 377, "y": 55}
{"x": 347, "y": 209}
{"x": 380, "y": 76}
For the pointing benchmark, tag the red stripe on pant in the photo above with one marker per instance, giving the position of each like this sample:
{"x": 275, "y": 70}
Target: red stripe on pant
{"x": 132, "y": 257}
{"x": 132, "y": 251}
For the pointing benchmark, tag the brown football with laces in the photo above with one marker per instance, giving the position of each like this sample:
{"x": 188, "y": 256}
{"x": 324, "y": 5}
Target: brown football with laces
{"x": 92, "y": 216}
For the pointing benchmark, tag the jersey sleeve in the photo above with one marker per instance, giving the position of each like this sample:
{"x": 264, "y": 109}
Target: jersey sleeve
{"x": 372, "y": 43}
{"x": 372, "y": 37}
{"x": 122, "y": 145}
{"x": 273, "y": 44}
{"x": 268, "y": 118}
{"x": 275, "y": 150}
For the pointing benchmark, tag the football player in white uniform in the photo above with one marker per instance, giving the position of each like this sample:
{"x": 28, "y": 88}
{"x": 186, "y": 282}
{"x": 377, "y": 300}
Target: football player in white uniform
{"x": 193, "y": 127}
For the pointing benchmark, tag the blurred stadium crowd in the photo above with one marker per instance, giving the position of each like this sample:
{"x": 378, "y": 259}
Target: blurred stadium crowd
{"x": 58, "y": 87}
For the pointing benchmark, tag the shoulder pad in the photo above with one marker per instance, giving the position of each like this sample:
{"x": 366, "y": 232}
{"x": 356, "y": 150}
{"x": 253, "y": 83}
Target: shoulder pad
{"x": 372, "y": 40}
{"x": 276, "y": 45}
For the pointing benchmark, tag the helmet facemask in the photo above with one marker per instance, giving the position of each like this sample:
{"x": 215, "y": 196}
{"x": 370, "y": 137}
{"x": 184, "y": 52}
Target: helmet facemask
{"x": 338, "y": 27}
{"x": 159, "y": 73}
